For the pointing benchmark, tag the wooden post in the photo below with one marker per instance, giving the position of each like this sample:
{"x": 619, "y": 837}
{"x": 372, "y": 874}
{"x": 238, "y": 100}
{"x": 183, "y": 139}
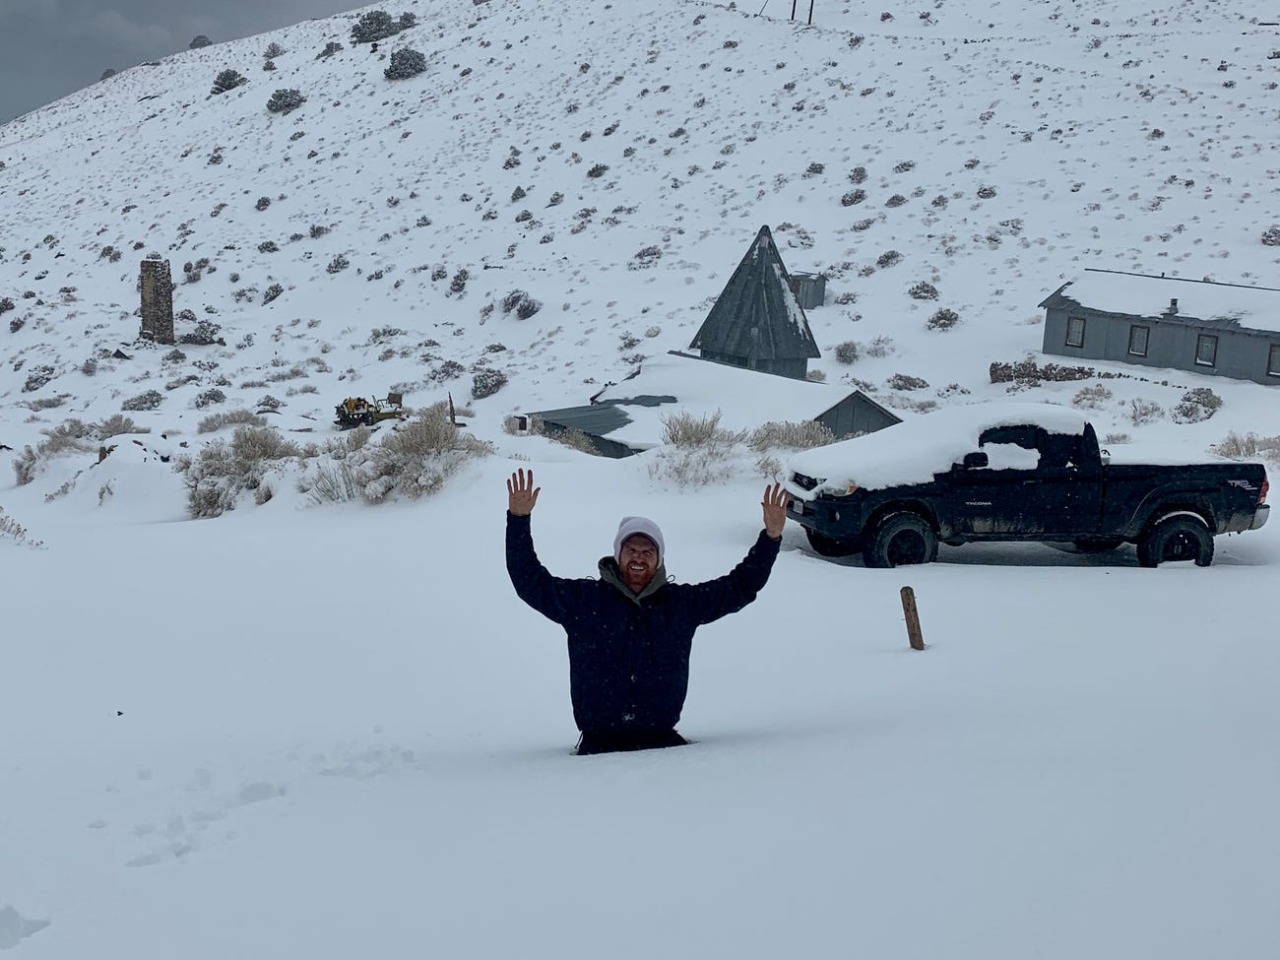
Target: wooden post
{"x": 914, "y": 636}
{"x": 811, "y": 13}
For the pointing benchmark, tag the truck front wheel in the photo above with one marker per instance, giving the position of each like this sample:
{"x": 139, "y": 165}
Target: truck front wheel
{"x": 1175, "y": 538}
{"x": 901, "y": 539}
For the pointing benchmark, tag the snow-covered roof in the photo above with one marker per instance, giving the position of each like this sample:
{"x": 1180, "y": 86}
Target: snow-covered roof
{"x": 745, "y": 398}
{"x": 1143, "y": 296}
{"x": 914, "y": 450}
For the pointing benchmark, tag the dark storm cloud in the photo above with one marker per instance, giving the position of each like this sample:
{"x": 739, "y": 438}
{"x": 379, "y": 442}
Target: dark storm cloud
{"x": 50, "y": 48}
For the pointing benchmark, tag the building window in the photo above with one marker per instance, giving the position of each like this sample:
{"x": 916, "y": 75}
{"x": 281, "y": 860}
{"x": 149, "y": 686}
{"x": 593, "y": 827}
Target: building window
{"x": 1206, "y": 350}
{"x": 1138, "y": 341}
{"x": 1075, "y": 331}
{"x": 1273, "y": 361}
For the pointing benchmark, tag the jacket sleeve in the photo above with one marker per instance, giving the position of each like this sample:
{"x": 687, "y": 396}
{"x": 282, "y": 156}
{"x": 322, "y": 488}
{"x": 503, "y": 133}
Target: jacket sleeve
{"x": 728, "y": 594}
{"x": 534, "y": 584}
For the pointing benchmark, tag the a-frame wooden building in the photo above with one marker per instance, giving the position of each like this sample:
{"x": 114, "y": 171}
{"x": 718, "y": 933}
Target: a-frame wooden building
{"x": 757, "y": 321}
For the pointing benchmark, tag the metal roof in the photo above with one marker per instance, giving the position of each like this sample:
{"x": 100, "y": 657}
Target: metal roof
{"x": 757, "y": 317}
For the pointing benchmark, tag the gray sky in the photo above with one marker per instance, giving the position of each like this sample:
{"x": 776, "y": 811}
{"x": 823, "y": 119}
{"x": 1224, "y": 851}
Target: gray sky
{"x": 50, "y": 48}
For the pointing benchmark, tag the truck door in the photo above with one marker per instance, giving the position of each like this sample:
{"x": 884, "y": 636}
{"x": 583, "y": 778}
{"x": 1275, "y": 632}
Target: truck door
{"x": 999, "y": 500}
{"x": 1068, "y": 489}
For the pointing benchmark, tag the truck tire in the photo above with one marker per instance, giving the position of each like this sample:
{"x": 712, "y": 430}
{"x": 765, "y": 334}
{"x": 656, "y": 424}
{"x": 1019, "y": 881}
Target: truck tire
{"x": 900, "y": 539}
{"x": 828, "y": 546}
{"x": 1179, "y": 537}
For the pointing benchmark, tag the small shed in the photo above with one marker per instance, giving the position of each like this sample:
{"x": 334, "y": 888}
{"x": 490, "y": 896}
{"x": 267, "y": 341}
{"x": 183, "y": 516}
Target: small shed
{"x": 810, "y": 289}
{"x": 627, "y": 418}
{"x": 1219, "y": 329}
{"x": 757, "y": 322}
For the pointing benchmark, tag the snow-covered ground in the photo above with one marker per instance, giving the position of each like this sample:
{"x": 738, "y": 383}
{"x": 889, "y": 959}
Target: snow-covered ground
{"x": 332, "y": 730}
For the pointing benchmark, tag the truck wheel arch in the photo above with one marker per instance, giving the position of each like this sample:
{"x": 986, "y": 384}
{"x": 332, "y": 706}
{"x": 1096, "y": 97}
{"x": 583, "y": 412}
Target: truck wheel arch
{"x": 897, "y": 537}
{"x": 1184, "y": 533}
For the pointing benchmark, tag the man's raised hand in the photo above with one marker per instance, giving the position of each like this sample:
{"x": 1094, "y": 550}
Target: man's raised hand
{"x": 775, "y": 509}
{"x": 522, "y": 495}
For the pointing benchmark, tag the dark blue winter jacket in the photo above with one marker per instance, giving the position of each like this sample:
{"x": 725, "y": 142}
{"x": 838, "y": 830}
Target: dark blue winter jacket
{"x": 628, "y": 652}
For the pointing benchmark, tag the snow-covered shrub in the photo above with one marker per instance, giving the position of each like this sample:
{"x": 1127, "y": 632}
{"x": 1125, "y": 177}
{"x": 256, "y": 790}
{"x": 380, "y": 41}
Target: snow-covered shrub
{"x": 143, "y": 401}
{"x": 337, "y": 264}
{"x": 1196, "y": 405}
{"x": 38, "y": 377}
{"x": 285, "y": 101}
{"x": 11, "y": 529}
{"x": 205, "y": 334}
{"x": 1271, "y": 236}
{"x": 330, "y": 48}
{"x": 227, "y": 80}
{"x": 1144, "y": 411}
{"x": 416, "y": 458}
{"x": 790, "y": 435}
{"x": 847, "y": 352}
{"x": 485, "y": 383}
{"x": 599, "y": 170}
{"x": 221, "y": 471}
{"x": 271, "y": 293}
{"x": 924, "y": 290}
{"x": 116, "y": 425}
{"x": 1091, "y": 398}
{"x": 519, "y": 302}
{"x": 209, "y": 397}
{"x": 574, "y": 439}
{"x": 405, "y": 63}
{"x": 1249, "y": 447}
{"x": 698, "y": 450}
{"x": 230, "y": 418}
{"x": 904, "y": 381}
{"x": 198, "y": 41}
{"x": 73, "y": 436}
{"x": 942, "y": 319}
{"x": 6, "y": 304}
{"x": 273, "y": 50}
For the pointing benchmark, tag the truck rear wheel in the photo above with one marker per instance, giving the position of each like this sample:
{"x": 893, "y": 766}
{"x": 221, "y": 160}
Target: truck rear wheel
{"x": 901, "y": 539}
{"x": 1180, "y": 537}
{"x": 828, "y": 546}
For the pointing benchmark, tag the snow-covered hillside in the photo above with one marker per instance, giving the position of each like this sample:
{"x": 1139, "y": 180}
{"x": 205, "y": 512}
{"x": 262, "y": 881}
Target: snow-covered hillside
{"x": 612, "y": 161}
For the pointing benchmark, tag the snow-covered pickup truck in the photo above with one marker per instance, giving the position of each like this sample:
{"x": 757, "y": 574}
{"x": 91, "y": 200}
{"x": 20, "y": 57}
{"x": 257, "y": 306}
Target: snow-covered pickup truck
{"x": 1033, "y": 472}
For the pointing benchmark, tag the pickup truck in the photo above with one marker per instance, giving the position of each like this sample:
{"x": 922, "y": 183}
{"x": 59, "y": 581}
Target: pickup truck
{"x": 1008, "y": 472}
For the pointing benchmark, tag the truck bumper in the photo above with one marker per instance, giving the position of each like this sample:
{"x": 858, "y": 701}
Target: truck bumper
{"x": 1260, "y": 517}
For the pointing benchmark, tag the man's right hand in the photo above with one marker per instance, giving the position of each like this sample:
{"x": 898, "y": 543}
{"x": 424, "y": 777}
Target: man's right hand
{"x": 522, "y": 495}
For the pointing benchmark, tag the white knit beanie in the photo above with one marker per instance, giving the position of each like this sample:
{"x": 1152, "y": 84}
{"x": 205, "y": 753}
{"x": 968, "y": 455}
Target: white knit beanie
{"x": 629, "y": 527}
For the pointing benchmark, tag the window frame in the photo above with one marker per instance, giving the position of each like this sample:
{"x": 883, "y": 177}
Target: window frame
{"x": 1135, "y": 328}
{"x": 1273, "y": 361}
{"x": 1071, "y": 322}
{"x": 1207, "y": 338}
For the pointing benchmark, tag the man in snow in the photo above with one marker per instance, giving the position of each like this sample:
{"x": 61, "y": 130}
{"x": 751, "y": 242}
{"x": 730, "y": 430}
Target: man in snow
{"x": 631, "y": 630}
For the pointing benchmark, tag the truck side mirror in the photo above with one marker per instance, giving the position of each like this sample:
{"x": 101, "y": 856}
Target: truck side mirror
{"x": 973, "y": 461}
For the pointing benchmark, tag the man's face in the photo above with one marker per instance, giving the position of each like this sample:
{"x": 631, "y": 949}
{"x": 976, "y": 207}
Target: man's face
{"x": 638, "y": 562}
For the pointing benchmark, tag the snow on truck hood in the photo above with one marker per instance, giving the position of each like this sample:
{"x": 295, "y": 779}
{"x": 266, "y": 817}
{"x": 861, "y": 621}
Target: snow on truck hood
{"x": 914, "y": 450}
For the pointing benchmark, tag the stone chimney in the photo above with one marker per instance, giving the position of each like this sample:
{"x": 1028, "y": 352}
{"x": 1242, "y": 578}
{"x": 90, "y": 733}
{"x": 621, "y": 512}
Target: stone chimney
{"x": 157, "y": 301}
{"x": 1173, "y": 307}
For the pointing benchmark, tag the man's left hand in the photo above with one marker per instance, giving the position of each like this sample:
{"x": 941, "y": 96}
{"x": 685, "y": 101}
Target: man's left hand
{"x": 775, "y": 510}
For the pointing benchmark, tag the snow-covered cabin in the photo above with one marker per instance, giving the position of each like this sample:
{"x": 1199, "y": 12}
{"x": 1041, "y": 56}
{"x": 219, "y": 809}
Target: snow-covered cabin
{"x": 1221, "y": 329}
{"x": 627, "y": 417}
